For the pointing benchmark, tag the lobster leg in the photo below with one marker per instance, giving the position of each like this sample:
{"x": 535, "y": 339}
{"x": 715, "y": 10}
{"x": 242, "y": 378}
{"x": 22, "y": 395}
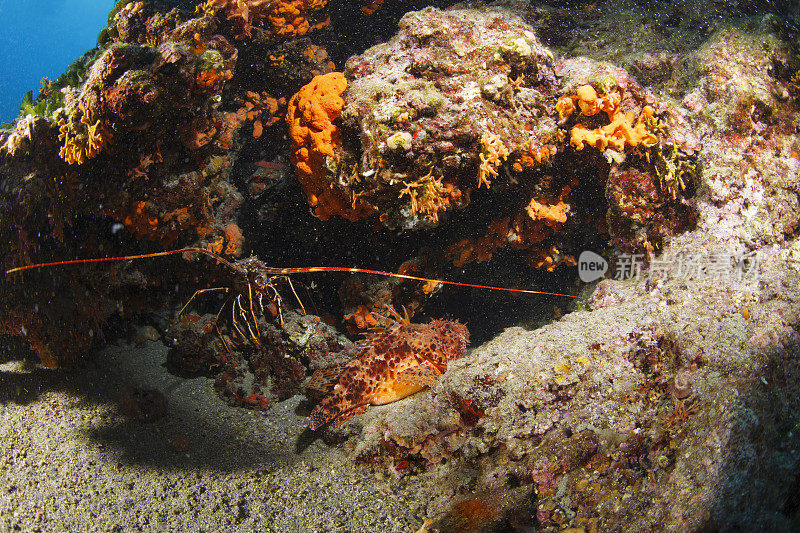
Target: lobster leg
{"x": 252, "y": 312}
{"x": 244, "y": 316}
{"x": 234, "y": 321}
{"x": 302, "y": 308}
{"x": 224, "y": 342}
{"x": 201, "y": 291}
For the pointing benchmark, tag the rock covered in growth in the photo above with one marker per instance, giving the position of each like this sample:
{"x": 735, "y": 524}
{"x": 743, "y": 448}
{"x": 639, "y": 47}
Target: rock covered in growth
{"x": 467, "y": 99}
{"x": 453, "y": 92}
{"x": 137, "y": 141}
{"x": 278, "y": 18}
{"x": 672, "y": 404}
{"x": 603, "y": 414}
{"x": 250, "y": 374}
{"x": 640, "y": 216}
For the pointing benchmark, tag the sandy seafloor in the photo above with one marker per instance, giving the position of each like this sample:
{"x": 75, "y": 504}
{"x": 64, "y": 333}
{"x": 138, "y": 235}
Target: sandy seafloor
{"x": 73, "y": 461}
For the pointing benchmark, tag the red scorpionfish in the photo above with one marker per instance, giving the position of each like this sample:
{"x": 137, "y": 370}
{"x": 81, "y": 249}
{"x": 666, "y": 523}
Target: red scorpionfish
{"x": 392, "y": 363}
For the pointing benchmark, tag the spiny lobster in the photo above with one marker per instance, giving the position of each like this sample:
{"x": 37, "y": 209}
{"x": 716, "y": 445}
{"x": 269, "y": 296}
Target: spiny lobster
{"x": 256, "y": 281}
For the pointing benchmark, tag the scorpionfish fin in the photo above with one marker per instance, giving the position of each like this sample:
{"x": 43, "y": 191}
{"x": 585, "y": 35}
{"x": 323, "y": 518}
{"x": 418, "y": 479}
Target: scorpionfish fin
{"x": 332, "y": 408}
{"x": 323, "y": 413}
{"x": 324, "y": 379}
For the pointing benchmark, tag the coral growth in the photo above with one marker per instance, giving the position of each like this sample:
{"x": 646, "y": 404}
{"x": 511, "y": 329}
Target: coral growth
{"x": 531, "y": 228}
{"x": 481, "y": 249}
{"x": 493, "y": 153}
{"x": 83, "y": 137}
{"x": 551, "y": 215}
{"x": 794, "y": 86}
{"x": 241, "y": 14}
{"x": 428, "y": 196}
{"x": 673, "y": 169}
{"x": 264, "y": 110}
{"x": 210, "y": 71}
{"x": 288, "y": 18}
{"x": 143, "y": 222}
{"x": 642, "y": 212}
{"x": 371, "y": 7}
{"x": 230, "y": 243}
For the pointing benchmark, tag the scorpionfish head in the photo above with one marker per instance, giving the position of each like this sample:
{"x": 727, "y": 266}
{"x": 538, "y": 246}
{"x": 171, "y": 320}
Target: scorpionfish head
{"x": 453, "y": 337}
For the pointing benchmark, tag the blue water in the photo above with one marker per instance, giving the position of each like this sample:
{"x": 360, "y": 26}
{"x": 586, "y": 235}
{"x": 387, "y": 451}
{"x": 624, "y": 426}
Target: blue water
{"x": 41, "y": 38}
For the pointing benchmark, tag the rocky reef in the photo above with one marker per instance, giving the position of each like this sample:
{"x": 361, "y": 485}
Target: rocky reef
{"x": 485, "y": 144}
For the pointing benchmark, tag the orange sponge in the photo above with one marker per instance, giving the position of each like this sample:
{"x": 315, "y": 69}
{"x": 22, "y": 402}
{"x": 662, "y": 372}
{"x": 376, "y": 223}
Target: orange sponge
{"x": 553, "y": 216}
{"x": 288, "y": 17}
{"x": 315, "y": 140}
{"x": 623, "y": 130}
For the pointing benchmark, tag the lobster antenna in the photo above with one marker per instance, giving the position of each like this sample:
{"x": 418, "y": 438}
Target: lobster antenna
{"x": 282, "y": 271}
{"x": 123, "y": 258}
{"x": 301, "y": 270}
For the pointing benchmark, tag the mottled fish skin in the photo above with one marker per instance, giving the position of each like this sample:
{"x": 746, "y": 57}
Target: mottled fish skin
{"x": 393, "y": 364}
